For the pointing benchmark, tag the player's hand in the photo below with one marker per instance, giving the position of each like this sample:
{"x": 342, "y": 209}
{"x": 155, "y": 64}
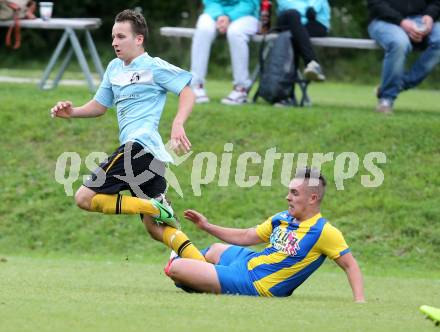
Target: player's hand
{"x": 196, "y": 217}
{"x": 179, "y": 141}
{"x": 63, "y": 109}
{"x": 222, "y": 23}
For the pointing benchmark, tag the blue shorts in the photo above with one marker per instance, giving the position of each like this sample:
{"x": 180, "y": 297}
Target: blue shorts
{"x": 233, "y": 273}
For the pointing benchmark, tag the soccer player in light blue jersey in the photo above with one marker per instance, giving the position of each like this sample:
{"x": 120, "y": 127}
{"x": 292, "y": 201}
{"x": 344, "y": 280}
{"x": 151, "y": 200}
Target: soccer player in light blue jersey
{"x": 298, "y": 241}
{"x": 137, "y": 84}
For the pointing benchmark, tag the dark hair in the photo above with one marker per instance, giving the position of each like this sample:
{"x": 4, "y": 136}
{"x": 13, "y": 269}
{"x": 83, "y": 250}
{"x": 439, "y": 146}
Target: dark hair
{"x": 137, "y": 22}
{"x": 307, "y": 173}
{"x": 313, "y": 173}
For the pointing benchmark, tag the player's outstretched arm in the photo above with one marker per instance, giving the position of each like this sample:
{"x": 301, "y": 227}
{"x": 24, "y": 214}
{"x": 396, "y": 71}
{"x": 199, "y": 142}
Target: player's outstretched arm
{"x": 179, "y": 140}
{"x": 65, "y": 109}
{"x": 348, "y": 263}
{"x": 237, "y": 236}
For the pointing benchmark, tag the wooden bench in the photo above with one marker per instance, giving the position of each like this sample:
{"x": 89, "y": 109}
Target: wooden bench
{"x": 70, "y": 26}
{"x": 334, "y": 42}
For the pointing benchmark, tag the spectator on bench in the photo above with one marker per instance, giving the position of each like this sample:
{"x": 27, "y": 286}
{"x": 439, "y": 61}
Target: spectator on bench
{"x": 400, "y": 26}
{"x": 238, "y": 19}
{"x": 305, "y": 19}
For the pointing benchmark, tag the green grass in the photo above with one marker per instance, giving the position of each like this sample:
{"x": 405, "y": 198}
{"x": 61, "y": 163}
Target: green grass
{"x": 98, "y": 295}
{"x": 71, "y": 270}
{"x": 392, "y": 224}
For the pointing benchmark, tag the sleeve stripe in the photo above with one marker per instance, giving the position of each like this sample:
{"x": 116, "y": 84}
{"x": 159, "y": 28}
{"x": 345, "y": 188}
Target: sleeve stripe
{"x": 343, "y": 252}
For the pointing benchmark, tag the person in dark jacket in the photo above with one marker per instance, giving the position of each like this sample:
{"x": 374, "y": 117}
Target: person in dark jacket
{"x": 399, "y": 27}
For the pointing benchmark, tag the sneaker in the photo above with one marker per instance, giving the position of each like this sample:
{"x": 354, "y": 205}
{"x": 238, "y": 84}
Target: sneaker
{"x": 165, "y": 213}
{"x": 200, "y": 93}
{"x": 167, "y": 203}
{"x": 384, "y": 106}
{"x": 288, "y": 102}
{"x": 313, "y": 72}
{"x": 238, "y": 96}
{"x": 431, "y": 313}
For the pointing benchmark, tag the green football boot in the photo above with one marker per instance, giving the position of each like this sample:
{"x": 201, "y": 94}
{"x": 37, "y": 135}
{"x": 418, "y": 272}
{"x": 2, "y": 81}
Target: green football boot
{"x": 431, "y": 313}
{"x": 166, "y": 214}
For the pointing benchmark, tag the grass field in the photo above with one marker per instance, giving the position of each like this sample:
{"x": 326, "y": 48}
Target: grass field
{"x": 68, "y": 269}
{"x": 116, "y": 295}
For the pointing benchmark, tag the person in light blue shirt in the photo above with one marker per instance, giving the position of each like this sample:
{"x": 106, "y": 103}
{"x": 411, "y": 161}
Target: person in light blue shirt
{"x": 238, "y": 20}
{"x": 137, "y": 85}
{"x": 138, "y": 91}
{"x": 305, "y": 19}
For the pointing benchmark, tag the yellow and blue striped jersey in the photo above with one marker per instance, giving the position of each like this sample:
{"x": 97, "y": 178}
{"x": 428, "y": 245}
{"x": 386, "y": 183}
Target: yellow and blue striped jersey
{"x": 294, "y": 252}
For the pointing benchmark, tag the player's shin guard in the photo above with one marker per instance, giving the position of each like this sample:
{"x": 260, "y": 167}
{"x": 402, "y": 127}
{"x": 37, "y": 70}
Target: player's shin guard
{"x": 179, "y": 242}
{"x": 122, "y": 204}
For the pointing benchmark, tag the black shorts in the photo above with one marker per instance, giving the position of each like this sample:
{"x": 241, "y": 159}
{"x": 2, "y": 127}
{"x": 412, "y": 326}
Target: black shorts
{"x": 132, "y": 168}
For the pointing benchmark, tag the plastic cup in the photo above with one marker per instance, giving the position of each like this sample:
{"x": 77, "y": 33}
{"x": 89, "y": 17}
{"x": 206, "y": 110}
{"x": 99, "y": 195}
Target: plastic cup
{"x": 46, "y": 10}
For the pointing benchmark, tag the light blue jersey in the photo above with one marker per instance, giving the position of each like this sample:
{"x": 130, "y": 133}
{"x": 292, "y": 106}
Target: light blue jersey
{"x": 139, "y": 93}
{"x": 234, "y": 9}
